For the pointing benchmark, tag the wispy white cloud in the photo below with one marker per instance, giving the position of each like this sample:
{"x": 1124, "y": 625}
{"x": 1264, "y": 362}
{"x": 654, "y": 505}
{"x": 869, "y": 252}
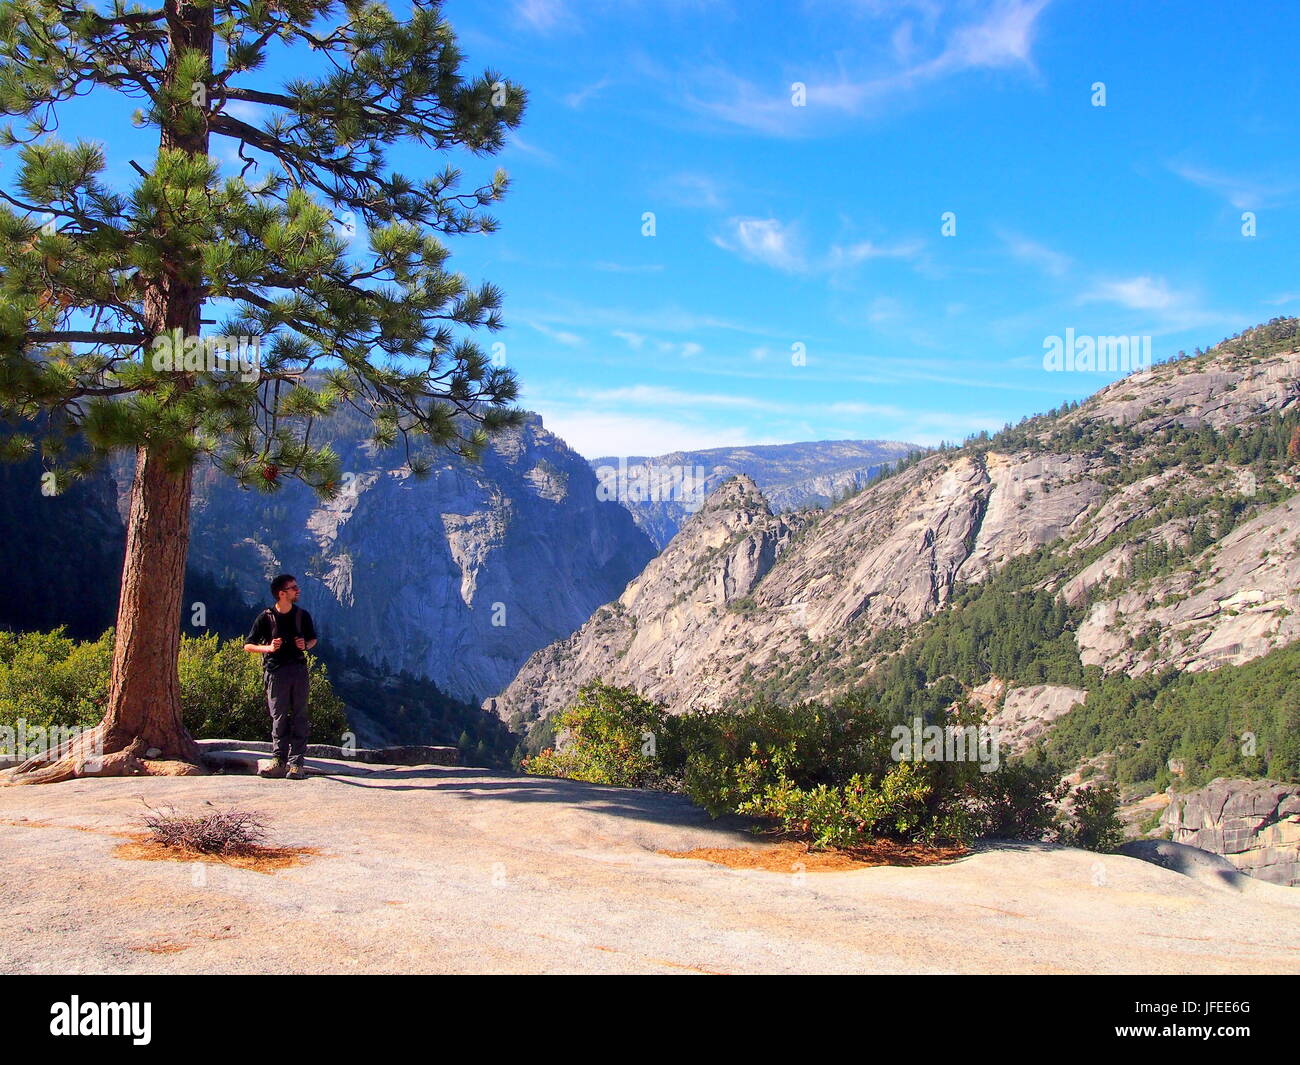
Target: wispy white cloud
{"x": 932, "y": 428}
{"x": 686, "y": 349}
{"x": 1243, "y": 193}
{"x": 529, "y": 148}
{"x": 1143, "y": 293}
{"x": 626, "y": 268}
{"x": 692, "y": 190}
{"x": 1039, "y": 255}
{"x": 1004, "y": 37}
{"x": 638, "y": 342}
{"x": 559, "y": 335}
{"x": 1000, "y": 35}
{"x": 852, "y": 254}
{"x": 782, "y": 246}
{"x": 1165, "y": 309}
{"x": 884, "y": 310}
{"x": 660, "y": 397}
{"x": 578, "y": 97}
{"x": 764, "y": 240}
{"x": 874, "y": 410}
{"x": 251, "y": 113}
{"x": 611, "y": 432}
{"x": 728, "y": 97}
{"x": 650, "y": 419}
{"x": 560, "y": 310}
{"x": 544, "y": 16}
{"x": 635, "y": 341}
{"x": 926, "y": 428}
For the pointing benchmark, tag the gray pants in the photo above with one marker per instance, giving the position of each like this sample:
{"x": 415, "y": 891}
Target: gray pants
{"x": 286, "y": 698}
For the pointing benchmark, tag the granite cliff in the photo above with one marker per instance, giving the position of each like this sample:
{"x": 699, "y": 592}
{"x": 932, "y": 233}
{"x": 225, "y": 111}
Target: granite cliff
{"x": 456, "y": 576}
{"x": 1161, "y": 512}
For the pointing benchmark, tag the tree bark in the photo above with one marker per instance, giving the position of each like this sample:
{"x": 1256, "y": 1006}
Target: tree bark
{"x": 144, "y": 704}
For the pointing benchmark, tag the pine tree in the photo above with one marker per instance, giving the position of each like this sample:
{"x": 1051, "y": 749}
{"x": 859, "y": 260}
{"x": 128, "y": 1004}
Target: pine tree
{"x": 103, "y": 292}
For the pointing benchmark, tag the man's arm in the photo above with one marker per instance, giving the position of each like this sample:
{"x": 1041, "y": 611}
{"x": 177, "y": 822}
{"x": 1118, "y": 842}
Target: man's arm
{"x": 308, "y": 638}
{"x": 255, "y": 638}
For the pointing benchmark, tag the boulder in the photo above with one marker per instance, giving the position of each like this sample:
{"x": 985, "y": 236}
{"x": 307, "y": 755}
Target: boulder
{"x": 1191, "y": 861}
{"x": 1254, "y": 824}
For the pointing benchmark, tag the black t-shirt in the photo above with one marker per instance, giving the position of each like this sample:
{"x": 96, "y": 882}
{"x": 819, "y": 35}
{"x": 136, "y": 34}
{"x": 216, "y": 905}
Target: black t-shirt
{"x": 293, "y": 623}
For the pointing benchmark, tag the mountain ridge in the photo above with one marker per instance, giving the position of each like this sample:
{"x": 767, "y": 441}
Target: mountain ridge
{"x": 1065, "y": 491}
{"x": 792, "y": 476}
{"x": 435, "y": 576}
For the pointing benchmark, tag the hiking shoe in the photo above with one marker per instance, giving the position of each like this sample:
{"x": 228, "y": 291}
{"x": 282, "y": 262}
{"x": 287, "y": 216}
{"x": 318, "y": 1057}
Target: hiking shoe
{"x": 277, "y": 768}
{"x": 297, "y": 772}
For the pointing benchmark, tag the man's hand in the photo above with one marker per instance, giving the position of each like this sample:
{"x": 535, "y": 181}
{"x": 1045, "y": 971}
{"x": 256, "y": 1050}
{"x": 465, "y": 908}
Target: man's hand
{"x": 300, "y": 643}
{"x": 275, "y": 644}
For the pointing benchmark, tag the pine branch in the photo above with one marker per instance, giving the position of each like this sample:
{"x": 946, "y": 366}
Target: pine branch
{"x": 83, "y": 336}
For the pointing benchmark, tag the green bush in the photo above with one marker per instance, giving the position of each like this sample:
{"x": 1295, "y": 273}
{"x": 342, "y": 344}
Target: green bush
{"x": 1095, "y": 824}
{"x": 609, "y": 736}
{"x": 730, "y": 756}
{"x": 849, "y": 814}
{"x": 49, "y": 679}
{"x": 823, "y": 772}
{"x": 1019, "y": 801}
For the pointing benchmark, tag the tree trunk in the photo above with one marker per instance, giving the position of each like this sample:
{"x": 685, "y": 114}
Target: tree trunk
{"x": 142, "y": 722}
{"x": 144, "y": 706}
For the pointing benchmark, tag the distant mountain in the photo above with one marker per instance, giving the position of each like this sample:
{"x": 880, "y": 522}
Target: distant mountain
{"x": 1150, "y": 532}
{"x": 662, "y": 491}
{"x": 456, "y": 577}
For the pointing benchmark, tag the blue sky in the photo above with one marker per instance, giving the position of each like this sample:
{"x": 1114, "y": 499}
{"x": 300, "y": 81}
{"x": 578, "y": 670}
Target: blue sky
{"x": 820, "y": 225}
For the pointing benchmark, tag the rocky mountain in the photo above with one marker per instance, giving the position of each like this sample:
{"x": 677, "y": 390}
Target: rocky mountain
{"x": 1255, "y": 824}
{"x": 455, "y": 577}
{"x": 1153, "y": 528}
{"x": 662, "y": 491}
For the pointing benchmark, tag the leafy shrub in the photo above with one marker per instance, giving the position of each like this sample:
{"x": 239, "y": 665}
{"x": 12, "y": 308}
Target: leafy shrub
{"x": 826, "y": 773}
{"x": 223, "y": 693}
{"x": 1095, "y": 824}
{"x": 847, "y": 815}
{"x": 1019, "y": 801}
{"x": 609, "y": 736}
{"x": 731, "y": 756}
{"x": 49, "y": 679}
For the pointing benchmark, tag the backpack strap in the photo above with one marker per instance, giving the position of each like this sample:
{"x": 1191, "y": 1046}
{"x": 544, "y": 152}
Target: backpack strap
{"x": 275, "y": 615}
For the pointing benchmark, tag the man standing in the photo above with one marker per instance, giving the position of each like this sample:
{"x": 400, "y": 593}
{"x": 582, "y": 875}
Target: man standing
{"x": 284, "y": 633}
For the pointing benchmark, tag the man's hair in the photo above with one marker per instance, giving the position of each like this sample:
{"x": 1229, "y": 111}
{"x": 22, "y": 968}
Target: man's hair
{"x": 279, "y": 582}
